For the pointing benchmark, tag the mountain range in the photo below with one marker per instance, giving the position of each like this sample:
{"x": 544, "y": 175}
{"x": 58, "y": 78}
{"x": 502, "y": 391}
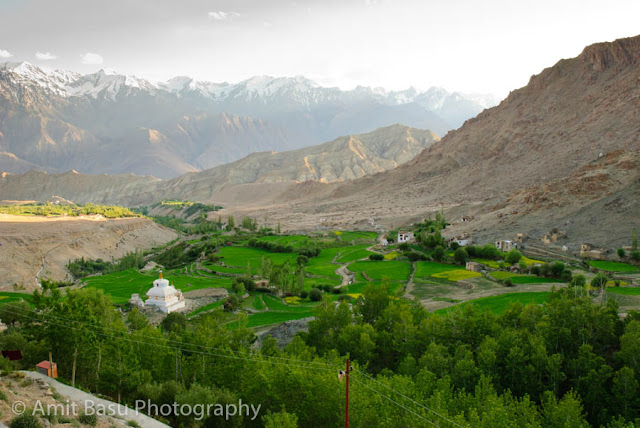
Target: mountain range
{"x": 110, "y": 123}
{"x": 345, "y": 158}
{"x": 560, "y": 154}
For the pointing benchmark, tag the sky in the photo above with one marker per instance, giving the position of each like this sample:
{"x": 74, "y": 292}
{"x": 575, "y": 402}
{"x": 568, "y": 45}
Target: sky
{"x": 462, "y": 45}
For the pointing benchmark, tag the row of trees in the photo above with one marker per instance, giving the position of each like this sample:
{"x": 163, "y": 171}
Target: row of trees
{"x": 49, "y": 209}
{"x": 570, "y": 363}
{"x": 82, "y": 267}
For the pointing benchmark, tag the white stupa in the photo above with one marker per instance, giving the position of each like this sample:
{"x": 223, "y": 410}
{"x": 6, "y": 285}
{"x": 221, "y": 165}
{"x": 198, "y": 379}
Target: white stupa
{"x": 165, "y": 296}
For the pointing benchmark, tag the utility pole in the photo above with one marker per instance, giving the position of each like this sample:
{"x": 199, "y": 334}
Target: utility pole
{"x": 346, "y": 406}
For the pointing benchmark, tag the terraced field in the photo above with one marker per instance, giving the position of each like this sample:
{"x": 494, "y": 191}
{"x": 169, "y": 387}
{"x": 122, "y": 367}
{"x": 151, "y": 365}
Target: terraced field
{"x": 614, "y": 266}
{"x": 498, "y": 304}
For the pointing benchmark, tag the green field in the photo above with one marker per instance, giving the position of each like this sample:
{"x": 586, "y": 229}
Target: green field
{"x": 519, "y": 278}
{"x": 351, "y": 254}
{"x": 240, "y": 256}
{"x": 626, "y": 291}
{"x": 392, "y": 269}
{"x": 278, "y": 311}
{"x": 357, "y": 237}
{"x": 498, "y": 304}
{"x": 613, "y": 266}
{"x": 205, "y": 308}
{"x": 121, "y": 285}
{"x": 8, "y": 297}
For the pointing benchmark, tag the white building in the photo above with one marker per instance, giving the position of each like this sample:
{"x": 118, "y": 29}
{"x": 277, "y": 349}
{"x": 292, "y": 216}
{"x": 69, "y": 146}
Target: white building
{"x": 135, "y": 300}
{"x": 165, "y": 296}
{"x": 405, "y": 237}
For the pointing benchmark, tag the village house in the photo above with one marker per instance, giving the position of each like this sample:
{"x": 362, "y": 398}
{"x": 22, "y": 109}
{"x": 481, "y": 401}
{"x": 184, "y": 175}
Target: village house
{"x": 405, "y": 237}
{"x": 474, "y": 266}
{"x": 506, "y": 245}
{"x": 164, "y": 296}
{"x": 462, "y": 241}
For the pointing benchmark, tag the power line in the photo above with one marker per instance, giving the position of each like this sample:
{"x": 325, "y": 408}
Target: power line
{"x": 176, "y": 341}
{"x": 407, "y": 398}
{"x": 396, "y": 403}
{"x": 175, "y": 348}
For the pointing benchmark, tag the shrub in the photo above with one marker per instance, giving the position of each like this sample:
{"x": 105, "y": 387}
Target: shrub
{"x": 566, "y": 275}
{"x": 238, "y": 288}
{"x": 231, "y": 304}
{"x": 535, "y": 270}
{"x": 622, "y": 253}
{"x": 438, "y": 252}
{"x": 315, "y": 295}
{"x": 635, "y": 255}
{"x": 336, "y": 290}
{"x": 508, "y": 282}
{"x": 414, "y": 257}
{"x": 460, "y": 256}
{"x": 557, "y": 268}
{"x": 304, "y": 294}
{"x": 404, "y": 246}
{"x": 249, "y": 284}
{"x": 25, "y": 420}
{"x": 513, "y": 257}
{"x": 454, "y": 245}
{"x": 376, "y": 257}
{"x": 86, "y": 419}
{"x": 132, "y": 423}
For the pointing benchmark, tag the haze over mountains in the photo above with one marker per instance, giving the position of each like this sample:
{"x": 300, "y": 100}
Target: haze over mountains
{"x": 561, "y": 153}
{"x": 110, "y": 123}
{"x": 345, "y": 158}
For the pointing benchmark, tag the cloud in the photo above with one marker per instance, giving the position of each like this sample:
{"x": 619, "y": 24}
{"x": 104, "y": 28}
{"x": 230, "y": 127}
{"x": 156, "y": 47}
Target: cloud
{"x": 5, "y": 54}
{"x": 45, "y": 56}
{"x": 92, "y": 59}
{"x": 222, "y": 16}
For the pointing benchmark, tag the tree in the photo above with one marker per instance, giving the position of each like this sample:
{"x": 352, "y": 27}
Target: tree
{"x": 513, "y": 257}
{"x": 375, "y": 299}
{"x": 460, "y": 256}
{"x": 634, "y": 240}
{"x": 175, "y": 321}
{"x": 231, "y": 223}
{"x": 136, "y": 320}
{"x": 376, "y": 257}
{"x": 280, "y": 419}
{"x": 635, "y": 255}
{"x": 599, "y": 281}
{"x": 438, "y": 253}
{"x": 621, "y": 253}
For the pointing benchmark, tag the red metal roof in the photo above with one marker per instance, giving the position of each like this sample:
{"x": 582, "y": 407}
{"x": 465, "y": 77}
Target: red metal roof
{"x": 44, "y": 364}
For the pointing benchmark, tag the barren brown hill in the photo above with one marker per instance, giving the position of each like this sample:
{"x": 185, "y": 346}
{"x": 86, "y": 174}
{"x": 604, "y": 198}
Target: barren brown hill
{"x": 565, "y": 119}
{"x": 33, "y": 247}
{"x": 345, "y": 158}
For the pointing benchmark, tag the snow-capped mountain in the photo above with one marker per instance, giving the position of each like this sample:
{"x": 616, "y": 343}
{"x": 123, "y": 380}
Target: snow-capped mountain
{"x": 62, "y": 119}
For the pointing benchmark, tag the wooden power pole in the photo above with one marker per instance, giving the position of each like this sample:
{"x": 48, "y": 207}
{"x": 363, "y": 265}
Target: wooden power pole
{"x": 346, "y": 406}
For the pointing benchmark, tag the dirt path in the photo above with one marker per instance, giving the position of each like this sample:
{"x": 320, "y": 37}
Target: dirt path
{"x": 410, "y": 285}
{"x": 123, "y": 412}
{"x": 347, "y": 277}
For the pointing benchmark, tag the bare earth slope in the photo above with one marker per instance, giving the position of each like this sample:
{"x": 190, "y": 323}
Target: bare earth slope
{"x": 33, "y": 246}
